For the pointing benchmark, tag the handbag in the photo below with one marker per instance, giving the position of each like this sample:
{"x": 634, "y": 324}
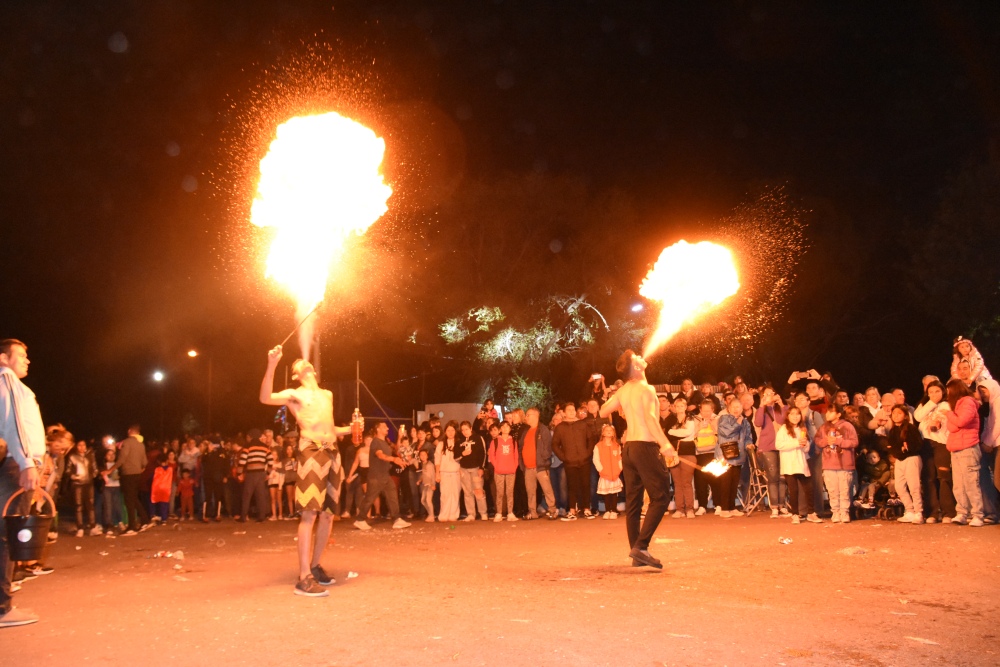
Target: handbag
{"x": 730, "y": 450}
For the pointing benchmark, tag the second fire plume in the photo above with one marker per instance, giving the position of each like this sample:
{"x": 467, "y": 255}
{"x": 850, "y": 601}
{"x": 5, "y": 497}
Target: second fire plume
{"x": 319, "y": 184}
{"x": 687, "y": 280}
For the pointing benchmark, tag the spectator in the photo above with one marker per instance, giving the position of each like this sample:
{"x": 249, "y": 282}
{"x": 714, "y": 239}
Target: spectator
{"x": 132, "y": 463}
{"x": 275, "y": 483}
{"x": 570, "y": 442}
{"x": 989, "y": 393}
{"x": 215, "y": 475}
{"x": 255, "y": 462}
{"x": 379, "y": 481}
{"x": 83, "y": 470}
{"x": 185, "y": 490}
{"x": 408, "y": 476}
{"x": 768, "y": 414}
{"x": 472, "y": 462}
{"x": 163, "y": 482}
{"x": 428, "y": 483}
{"x": 935, "y": 482}
{"x": 448, "y": 471}
{"x": 679, "y": 429}
{"x": 706, "y": 441}
{"x": 733, "y": 430}
{"x": 707, "y": 393}
{"x": 964, "y": 350}
{"x": 963, "y": 443}
{"x": 608, "y": 461}
{"x": 111, "y": 495}
{"x": 535, "y": 448}
{"x": 290, "y": 466}
{"x": 837, "y": 440}
{"x": 905, "y": 445}
{"x": 357, "y": 478}
{"x": 792, "y": 443}
{"x": 503, "y": 455}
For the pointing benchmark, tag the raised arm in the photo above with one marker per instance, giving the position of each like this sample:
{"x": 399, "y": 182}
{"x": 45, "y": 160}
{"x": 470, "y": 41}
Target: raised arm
{"x": 611, "y": 406}
{"x": 267, "y": 395}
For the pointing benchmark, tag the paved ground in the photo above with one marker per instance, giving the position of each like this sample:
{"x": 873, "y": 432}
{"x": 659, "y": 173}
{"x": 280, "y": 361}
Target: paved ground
{"x": 540, "y": 592}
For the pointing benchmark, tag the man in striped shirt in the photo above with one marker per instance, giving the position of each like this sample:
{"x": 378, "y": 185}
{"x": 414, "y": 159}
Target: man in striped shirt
{"x": 22, "y": 430}
{"x": 256, "y": 460}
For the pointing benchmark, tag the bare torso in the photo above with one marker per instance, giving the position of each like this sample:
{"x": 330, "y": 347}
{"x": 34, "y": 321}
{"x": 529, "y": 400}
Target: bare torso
{"x": 313, "y": 410}
{"x": 639, "y": 405}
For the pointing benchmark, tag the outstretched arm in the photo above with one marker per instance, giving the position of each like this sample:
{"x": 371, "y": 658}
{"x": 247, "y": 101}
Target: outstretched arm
{"x": 267, "y": 395}
{"x": 611, "y": 406}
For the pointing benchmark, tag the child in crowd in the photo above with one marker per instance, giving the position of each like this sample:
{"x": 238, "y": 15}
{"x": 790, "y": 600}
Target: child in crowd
{"x": 964, "y": 350}
{"x": 875, "y": 474}
{"x": 111, "y": 495}
{"x": 905, "y": 445}
{"x": 608, "y": 461}
{"x": 290, "y": 467}
{"x": 185, "y": 489}
{"x": 163, "y": 481}
{"x": 792, "y": 444}
{"x": 427, "y": 484}
{"x": 275, "y": 484}
{"x": 837, "y": 440}
{"x": 83, "y": 470}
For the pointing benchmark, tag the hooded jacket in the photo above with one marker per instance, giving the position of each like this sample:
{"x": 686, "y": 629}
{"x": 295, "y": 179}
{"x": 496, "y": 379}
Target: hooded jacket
{"x": 963, "y": 425}
{"x": 977, "y": 367}
{"x": 991, "y": 426}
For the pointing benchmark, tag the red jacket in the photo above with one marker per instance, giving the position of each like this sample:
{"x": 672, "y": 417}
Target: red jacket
{"x": 963, "y": 425}
{"x": 163, "y": 480}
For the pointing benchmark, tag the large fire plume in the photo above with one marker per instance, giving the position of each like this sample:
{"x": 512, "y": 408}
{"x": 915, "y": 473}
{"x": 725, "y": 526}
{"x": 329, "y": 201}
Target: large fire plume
{"x": 687, "y": 280}
{"x": 319, "y": 184}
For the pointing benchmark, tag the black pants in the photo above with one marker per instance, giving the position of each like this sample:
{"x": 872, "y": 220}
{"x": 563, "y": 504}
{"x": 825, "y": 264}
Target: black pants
{"x": 643, "y": 470}
{"x": 83, "y": 496}
{"x": 942, "y": 464}
{"x": 10, "y": 482}
{"x": 800, "y": 489}
{"x": 578, "y": 483}
{"x": 375, "y": 487}
{"x": 136, "y": 511}
{"x": 215, "y": 497}
{"x": 703, "y": 481}
{"x": 729, "y": 482}
{"x": 255, "y": 486}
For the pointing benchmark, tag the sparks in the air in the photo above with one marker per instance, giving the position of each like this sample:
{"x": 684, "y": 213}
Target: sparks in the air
{"x": 687, "y": 280}
{"x": 319, "y": 184}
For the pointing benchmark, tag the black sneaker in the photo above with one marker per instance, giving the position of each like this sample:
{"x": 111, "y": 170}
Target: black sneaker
{"x": 21, "y": 574}
{"x": 322, "y": 578}
{"x": 310, "y": 588}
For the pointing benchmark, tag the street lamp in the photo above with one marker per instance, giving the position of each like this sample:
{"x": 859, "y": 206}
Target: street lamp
{"x": 193, "y": 354}
{"x": 158, "y": 377}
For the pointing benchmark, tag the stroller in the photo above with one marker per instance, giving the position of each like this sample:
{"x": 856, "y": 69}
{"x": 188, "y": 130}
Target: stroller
{"x": 876, "y": 495}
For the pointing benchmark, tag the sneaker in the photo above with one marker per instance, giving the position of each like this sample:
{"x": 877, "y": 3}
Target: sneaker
{"x": 700, "y": 512}
{"x": 109, "y": 534}
{"x": 310, "y": 588}
{"x": 321, "y": 577}
{"x": 606, "y": 515}
{"x": 400, "y": 523}
{"x": 724, "y": 514}
{"x": 931, "y": 519}
{"x": 906, "y": 518}
{"x": 672, "y": 506}
{"x": 21, "y": 574}
{"x": 552, "y": 516}
{"x": 270, "y": 518}
{"x": 976, "y": 522}
{"x": 614, "y": 515}
{"x": 571, "y": 516}
{"x": 79, "y": 532}
{"x": 946, "y": 519}
{"x": 678, "y": 514}
{"x": 868, "y": 506}
{"x": 129, "y": 533}
{"x": 917, "y": 519}
{"x": 16, "y": 617}
{"x": 156, "y": 520}
{"x": 38, "y": 569}
{"x": 736, "y": 513}
{"x": 497, "y": 518}
{"x": 690, "y": 514}
{"x": 784, "y": 511}
{"x": 835, "y": 518}
{"x": 989, "y": 521}
{"x": 144, "y": 527}
{"x": 796, "y": 519}
{"x": 718, "y": 511}
{"x": 469, "y": 518}
{"x": 960, "y": 519}
{"x": 96, "y": 530}
{"x": 814, "y": 518}
{"x": 587, "y": 514}
{"x": 362, "y": 525}
{"x": 774, "y": 514}
{"x": 511, "y": 517}
{"x": 15, "y": 586}
{"x": 429, "y": 519}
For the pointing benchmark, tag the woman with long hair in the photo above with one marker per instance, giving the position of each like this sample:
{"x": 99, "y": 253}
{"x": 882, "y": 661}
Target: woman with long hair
{"x": 792, "y": 444}
{"x": 448, "y": 471}
{"x": 963, "y": 443}
{"x": 905, "y": 445}
{"x": 935, "y": 482}
{"x": 765, "y": 420}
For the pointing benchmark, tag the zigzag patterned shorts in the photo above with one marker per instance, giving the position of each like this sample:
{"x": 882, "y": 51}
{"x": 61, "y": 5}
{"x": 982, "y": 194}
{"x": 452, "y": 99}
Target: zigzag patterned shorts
{"x": 319, "y": 478}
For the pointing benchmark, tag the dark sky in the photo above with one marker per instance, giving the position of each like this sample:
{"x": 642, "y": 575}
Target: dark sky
{"x": 130, "y": 133}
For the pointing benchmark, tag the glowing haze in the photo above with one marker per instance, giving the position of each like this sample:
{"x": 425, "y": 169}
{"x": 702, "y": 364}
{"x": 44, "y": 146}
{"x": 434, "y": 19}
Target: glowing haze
{"x": 687, "y": 280}
{"x": 319, "y": 184}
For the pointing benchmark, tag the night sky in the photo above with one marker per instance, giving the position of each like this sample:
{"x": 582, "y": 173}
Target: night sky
{"x": 131, "y": 132}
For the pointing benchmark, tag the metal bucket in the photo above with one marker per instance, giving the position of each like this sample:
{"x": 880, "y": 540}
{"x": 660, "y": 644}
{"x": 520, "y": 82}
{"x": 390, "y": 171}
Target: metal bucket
{"x": 27, "y": 533}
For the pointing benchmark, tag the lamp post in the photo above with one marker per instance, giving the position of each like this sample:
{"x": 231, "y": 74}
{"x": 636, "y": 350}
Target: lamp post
{"x": 158, "y": 377}
{"x": 193, "y": 354}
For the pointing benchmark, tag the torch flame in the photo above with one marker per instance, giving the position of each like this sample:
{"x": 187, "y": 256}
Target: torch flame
{"x": 319, "y": 183}
{"x": 716, "y": 467}
{"x": 687, "y": 280}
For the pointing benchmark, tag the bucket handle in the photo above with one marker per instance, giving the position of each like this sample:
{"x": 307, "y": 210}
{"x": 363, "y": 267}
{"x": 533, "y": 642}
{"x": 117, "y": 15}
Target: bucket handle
{"x": 21, "y": 490}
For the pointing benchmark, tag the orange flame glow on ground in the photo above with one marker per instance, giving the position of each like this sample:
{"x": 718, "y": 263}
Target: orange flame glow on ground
{"x": 319, "y": 184}
{"x": 687, "y": 280}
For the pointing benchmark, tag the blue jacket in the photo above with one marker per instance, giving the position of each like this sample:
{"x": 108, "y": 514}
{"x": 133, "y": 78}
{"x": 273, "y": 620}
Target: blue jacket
{"x": 741, "y": 433}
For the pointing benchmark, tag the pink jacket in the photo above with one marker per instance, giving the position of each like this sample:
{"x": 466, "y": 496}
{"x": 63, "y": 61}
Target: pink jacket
{"x": 963, "y": 425}
{"x": 503, "y": 455}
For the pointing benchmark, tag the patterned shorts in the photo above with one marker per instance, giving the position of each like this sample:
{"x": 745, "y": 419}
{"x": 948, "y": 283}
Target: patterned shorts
{"x": 319, "y": 477}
